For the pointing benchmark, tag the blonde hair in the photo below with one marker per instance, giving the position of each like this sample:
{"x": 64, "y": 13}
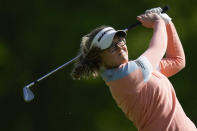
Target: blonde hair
{"x": 89, "y": 62}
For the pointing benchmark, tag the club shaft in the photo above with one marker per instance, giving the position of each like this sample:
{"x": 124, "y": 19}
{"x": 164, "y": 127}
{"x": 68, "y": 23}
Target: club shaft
{"x": 62, "y": 66}
{"x": 53, "y": 71}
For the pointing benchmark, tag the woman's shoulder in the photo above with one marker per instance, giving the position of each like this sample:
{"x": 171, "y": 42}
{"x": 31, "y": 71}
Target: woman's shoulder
{"x": 119, "y": 72}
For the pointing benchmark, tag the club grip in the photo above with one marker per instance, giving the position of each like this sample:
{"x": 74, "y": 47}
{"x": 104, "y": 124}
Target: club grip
{"x": 164, "y": 9}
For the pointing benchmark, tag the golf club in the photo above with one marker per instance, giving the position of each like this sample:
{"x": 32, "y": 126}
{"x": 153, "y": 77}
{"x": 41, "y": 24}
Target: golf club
{"x": 28, "y": 94}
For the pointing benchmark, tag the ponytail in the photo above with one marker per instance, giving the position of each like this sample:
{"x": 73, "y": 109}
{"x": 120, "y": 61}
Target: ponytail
{"x": 89, "y": 63}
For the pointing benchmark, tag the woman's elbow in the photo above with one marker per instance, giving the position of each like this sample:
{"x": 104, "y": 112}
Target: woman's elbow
{"x": 181, "y": 62}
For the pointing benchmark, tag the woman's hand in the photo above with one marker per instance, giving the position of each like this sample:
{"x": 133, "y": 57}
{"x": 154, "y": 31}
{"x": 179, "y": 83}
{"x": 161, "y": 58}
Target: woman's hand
{"x": 158, "y": 11}
{"x": 148, "y": 20}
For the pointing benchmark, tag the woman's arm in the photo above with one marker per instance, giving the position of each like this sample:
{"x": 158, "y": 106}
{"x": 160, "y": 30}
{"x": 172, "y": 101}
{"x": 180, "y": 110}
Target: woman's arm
{"x": 158, "y": 44}
{"x": 175, "y": 57}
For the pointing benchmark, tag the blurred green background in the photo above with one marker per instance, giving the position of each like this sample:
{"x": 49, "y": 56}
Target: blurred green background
{"x": 40, "y": 35}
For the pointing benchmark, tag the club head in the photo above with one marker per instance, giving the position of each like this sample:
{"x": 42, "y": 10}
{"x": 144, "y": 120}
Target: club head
{"x": 28, "y": 94}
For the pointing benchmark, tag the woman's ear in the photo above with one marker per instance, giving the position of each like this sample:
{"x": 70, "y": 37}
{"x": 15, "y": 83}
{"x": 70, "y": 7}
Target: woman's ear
{"x": 102, "y": 58}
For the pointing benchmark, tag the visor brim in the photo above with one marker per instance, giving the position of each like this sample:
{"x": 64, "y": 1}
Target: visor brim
{"x": 120, "y": 33}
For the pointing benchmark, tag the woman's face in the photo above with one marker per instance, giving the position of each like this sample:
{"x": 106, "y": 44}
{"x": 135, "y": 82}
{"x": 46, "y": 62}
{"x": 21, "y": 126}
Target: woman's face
{"x": 116, "y": 55}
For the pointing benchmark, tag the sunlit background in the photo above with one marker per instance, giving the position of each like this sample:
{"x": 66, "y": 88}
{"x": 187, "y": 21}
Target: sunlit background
{"x": 37, "y": 36}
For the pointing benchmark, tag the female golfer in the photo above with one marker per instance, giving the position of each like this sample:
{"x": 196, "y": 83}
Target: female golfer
{"x": 140, "y": 87}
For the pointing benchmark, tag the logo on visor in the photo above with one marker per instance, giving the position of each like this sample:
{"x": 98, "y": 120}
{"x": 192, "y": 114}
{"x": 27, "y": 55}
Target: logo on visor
{"x": 103, "y": 34}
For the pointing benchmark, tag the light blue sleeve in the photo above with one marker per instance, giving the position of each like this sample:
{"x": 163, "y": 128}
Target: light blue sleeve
{"x": 145, "y": 66}
{"x": 118, "y": 73}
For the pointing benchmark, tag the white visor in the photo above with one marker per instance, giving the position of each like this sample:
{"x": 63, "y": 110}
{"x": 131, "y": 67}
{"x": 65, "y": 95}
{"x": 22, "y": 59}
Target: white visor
{"x": 104, "y": 38}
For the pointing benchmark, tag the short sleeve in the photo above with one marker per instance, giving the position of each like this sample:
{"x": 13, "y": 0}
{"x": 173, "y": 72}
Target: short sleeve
{"x": 118, "y": 73}
{"x": 145, "y": 66}
{"x": 141, "y": 63}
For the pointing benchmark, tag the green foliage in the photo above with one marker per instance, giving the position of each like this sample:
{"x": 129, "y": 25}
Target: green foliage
{"x": 38, "y": 36}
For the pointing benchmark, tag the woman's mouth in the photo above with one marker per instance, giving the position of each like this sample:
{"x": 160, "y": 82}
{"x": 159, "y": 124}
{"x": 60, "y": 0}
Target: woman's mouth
{"x": 121, "y": 53}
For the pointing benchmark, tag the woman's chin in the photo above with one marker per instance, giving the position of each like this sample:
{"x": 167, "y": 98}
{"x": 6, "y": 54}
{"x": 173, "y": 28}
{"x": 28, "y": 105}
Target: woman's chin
{"x": 124, "y": 60}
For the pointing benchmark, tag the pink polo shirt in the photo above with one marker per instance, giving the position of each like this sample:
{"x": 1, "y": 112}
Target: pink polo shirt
{"x": 152, "y": 105}
{"x": 145, "y": 94}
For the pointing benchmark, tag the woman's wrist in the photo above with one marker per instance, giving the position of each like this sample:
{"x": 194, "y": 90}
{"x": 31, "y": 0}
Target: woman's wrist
{"x": 159, "y": 22}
